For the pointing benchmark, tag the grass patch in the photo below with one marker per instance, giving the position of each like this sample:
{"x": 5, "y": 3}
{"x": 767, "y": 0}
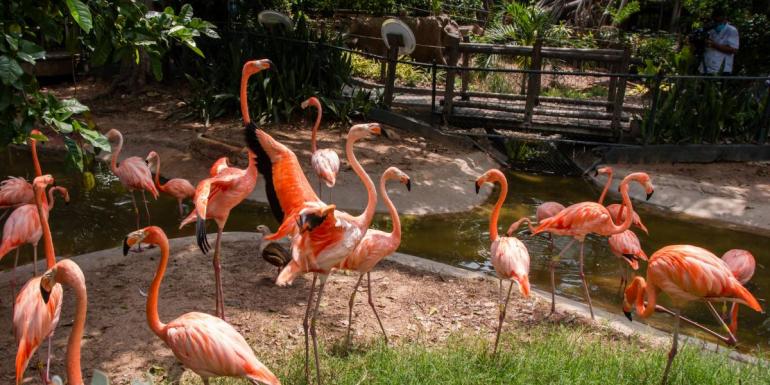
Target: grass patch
{"x": 531, "y": 354}
{"x": 406, "y": 74}
{"x": 561, "y": 91}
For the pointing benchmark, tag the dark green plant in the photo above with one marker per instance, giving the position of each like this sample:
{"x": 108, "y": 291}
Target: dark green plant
{"x": 27, "y": 28}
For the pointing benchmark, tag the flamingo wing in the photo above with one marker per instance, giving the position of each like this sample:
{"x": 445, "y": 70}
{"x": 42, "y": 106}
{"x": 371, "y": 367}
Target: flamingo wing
{"x": 33, "y": 321}
{"x": 548, "y": 209}
{"x": 326, "y": 164}
{"x": 218, "y": 166}
{"x": 374, "y": 246}
{"x": 576, "y": 220}
{"x": 211, "y": 347}
{"x": 134, "y": 173}
{"x": 626, "y": 245}
{"x": 179, "y": 188}
{"x": 618, "y": 215}
{"x": 510, "y": 259}
{"x": 22, "y": 226}
{"x": 692, "y": 273}
{"x": 14, "y": 191}
{"x": 741, "y": 263}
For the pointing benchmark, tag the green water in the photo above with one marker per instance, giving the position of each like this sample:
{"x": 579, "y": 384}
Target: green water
{"x": 100, "y": 218}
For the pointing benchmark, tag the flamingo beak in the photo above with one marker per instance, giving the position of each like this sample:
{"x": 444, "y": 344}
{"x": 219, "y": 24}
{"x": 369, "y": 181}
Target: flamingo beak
{"x": 45, "y": 293}
{"x": 477, "y": 186}
{"x": 628, "y": 315}
{"x": 126, "y": 246}
{"x": 408, "y": 185}
{"x": 596, "y": 172}
{"x": 649, "y": 194}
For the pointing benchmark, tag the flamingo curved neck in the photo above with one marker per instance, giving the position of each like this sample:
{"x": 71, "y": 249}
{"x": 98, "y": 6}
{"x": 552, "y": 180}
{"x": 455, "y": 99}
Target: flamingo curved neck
{"x": 51, "y": 200}
{"x": 50, "y": 254}
{"x": 35, "y": 161}
{"x": 244, "y": 97}
{"x": 153, "y": 320}
{"x": 606, "y": 188}
{"x": 313, "y": 145}
{"x": 615, "y": 229}
{"x": 371, "y": 194}
{"x": 161, "y": 187}
{"x": 643, "y": 287}
{"x": 396, "y": 233}
{"x": 499, "y": 205}
{"x": 116, "y": 153}
{"x": 75, "y": 280}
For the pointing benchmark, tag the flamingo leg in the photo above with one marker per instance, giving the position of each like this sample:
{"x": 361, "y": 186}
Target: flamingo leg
{"x": 623, "y": 279}
{"x": 146, "y": 208}
{"x": 731, "y": 340}
{"x": 552, "y": 268}
{"x": 672, "y": 352}
{"x": 661, "y": 309}
{"x": 217, "y": 274}
{"x": 138, "y": 225}
{"x": 585, "y": 284}
{"x": 734, "y": 318}
{"x": 48, "y": 361}
{"x": 181, "y": 210}
{"x": 350, "y": 311}
{"x": 306, "y": 328}
{"x": 503, "y": 310}
{"x": 371, "y": 303}
{"x": 205, "y": 380}
{"x": 313, "y": 333}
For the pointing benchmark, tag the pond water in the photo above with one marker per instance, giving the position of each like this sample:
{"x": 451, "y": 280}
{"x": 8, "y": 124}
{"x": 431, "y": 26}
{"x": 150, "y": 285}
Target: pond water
{"x": 100, "y": 218}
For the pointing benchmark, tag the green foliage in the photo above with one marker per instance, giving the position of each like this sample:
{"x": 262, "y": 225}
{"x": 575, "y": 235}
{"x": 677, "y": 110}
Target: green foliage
{"x": 703, "y": 111}
{"x": 405, "y": 74}
{"x": 116, "y": 30}
{"x": 593, "y": 92}
{"x": 304, "y": 66}
{"x": 659, "y": 52}
{"x": 620, "y": 16}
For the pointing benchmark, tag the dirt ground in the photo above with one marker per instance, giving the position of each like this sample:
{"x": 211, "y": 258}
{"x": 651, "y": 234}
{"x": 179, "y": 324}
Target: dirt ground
{"x": 442, "y": 170}
{"x": 413, "y": 305}
{"x": 732, "y": 193}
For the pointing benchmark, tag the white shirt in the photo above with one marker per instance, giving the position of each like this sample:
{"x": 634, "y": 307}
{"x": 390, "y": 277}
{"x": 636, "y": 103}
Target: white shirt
{"x": 715, "y": 59}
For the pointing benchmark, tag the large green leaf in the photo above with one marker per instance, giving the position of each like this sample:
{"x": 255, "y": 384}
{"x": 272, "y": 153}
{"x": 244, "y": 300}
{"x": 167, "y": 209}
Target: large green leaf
{"x": 81, "y": 14}
{"x": 157, "y": 67}
{"x": 101, "y": 52}
{"x": 10, "y": 70}
{"x": 186, "y": 13}
{"x": 72, "y": 106}
{"x": 74, "y": 153}
{"x": 92, "y": 136}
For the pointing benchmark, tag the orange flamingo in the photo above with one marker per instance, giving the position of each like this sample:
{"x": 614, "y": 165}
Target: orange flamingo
{"x": 178, "y": 188}
{"x": 23, "y": 227}
{"x": 742, "y": 264}
{"x": 325, "y": 161}
{"x": 686, "y": 273}
{"x": 226, "y": 188}
{"x": 16, "y": 191}
{"x": 67, "y": 272}
{"x": 326, "y": 237}
{"x": 33, "y": 318}
{"x": 133, "y": 172}
{"x": 615, "y": 209}
{"x": 583, "y": 218}
{"x": 205, "y": 344}
{"x": 375, "y": 246}
{"x": 510, "y": 257}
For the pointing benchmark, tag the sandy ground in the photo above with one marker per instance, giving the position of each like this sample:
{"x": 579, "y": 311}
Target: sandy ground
{"x": 413, "y": 305}
{"x": 732, "y": 193}
{"x": 442, "y": 170}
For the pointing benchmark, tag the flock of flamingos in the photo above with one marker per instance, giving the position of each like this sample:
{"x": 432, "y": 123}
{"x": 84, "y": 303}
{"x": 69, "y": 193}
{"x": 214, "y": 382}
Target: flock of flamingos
{"x": 323, "y": 239}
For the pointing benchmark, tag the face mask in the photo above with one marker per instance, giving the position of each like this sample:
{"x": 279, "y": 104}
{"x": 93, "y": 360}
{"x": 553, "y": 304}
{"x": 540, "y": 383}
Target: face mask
{"x": 720, "y": 27}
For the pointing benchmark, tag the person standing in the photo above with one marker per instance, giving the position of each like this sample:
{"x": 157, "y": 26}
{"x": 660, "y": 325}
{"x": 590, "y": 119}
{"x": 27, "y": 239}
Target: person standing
{"x": 721, "y": 46}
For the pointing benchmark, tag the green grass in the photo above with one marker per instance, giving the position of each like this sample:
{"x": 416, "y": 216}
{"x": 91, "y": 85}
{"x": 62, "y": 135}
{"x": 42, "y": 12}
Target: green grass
{"x": 571, "y": 93}
{"x": 531, "y": 354}
{"x": 407, "y": 75}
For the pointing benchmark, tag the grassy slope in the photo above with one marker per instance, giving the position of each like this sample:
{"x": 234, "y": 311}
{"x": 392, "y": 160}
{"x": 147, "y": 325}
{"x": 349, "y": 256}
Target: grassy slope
{"x": 531, "y": 354}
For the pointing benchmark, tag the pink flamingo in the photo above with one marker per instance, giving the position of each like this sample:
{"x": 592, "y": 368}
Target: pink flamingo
{"x": 742, "y": 264}
{"x": 16, "y": 191}
{"x": 583, "y": 218}
{"x": 375, "y": 246}
{"x": 686, "y": 273}
{"x": 548, "y": 209}
{"x": 326, "y": 237}
{"x": 226, "y": 188}
{"x": 33, "y": 318}
{"x": 178, "y": 188}
{"x": 133, "y": 172}
{"x": 510, "y": 257}
{"x": 68, "y": 273}
{"x": 325, "y": 161}
{"x": 205, "y": 344}
{"x": 23, "y": 227}
{"x": 615, "y": 209}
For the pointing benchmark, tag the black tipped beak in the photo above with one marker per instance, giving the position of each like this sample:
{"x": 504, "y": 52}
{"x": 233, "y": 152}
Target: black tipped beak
{"x": 477, "y": 187}
{"x": 628, "y": 315}
{"x": 200, "y": 235}
{"x": 384, "y": 133}
{"x": 596, "y": 173}
{"x": 650, "y": 195}
{"x": 126, "y": 247}
{"x": 629, "y": 257}
{"x": 45, "y": 294}
{"x": 408, "y": 185}
{"x": 301, "y": 223}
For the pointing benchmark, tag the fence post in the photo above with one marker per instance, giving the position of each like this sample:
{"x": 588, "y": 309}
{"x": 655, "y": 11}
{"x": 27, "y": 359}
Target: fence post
{"x": 620, "y": 93}
{"x": 650, "y": 126}
{"x": 533, "y": 82}
{"x": 449, "y": 89}
{"x": 765, "y": 122}
{"x": 465, "y": 76}
{"x": 395, "y": 42}
{"x": 433, "y": 90}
